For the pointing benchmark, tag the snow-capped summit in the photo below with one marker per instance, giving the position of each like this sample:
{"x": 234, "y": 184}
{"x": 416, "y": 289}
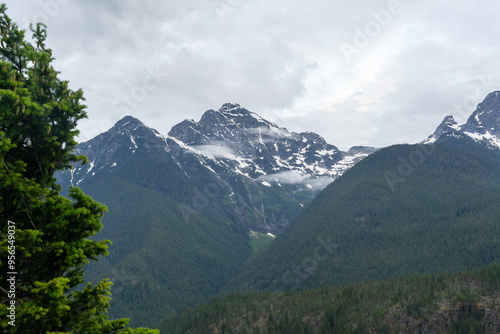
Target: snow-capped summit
{"x": 482, "y": 126}
{"x": 127, "y": 123}
{"x": 447, "y": 125}
{"x": 224, "y": 124}
{"x": 252, "y": 146}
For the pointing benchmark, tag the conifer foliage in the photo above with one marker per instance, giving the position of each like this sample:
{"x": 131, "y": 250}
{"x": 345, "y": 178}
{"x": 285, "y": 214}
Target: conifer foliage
{"x": 44, "y": 235}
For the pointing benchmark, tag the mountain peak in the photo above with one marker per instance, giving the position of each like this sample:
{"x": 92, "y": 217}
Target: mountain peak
{"x": 231, "y": 119}
{"x": 235, "y": 113}
{"x": 313, "y": 137}
{"x": 486, "y": 118}
{"x": 492, "y": 96}
{"x": 231, "y": 107}
{"x": 482, "y": 125}
{"x": 447, "y": 125}
{"x": 449, "y": 120}
{"x": 129, "y": 123}
{"x": 128, "y": 132}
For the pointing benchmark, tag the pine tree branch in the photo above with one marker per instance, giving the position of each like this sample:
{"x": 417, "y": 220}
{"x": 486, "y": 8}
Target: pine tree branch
{"x": 4, "y": 291}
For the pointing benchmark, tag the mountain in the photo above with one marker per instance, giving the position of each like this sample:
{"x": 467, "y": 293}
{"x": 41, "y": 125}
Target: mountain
{"x": 187, "y": 210}
{"x": 233, "y": 140}
{"x": 405, "y": 209}
{"x": 483, "y": 125}
{"x": 173, "y": 246}
{"x": 251, "y": 146}
{"x": 267, "y": 172}
{"x": 447, "y": 125}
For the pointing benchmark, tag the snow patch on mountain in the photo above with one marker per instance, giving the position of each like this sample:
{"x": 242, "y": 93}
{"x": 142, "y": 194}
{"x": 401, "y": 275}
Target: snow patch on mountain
{"x": 486, "y": 137}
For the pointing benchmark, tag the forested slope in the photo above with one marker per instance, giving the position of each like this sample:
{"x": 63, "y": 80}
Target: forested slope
{"x": 460, "y": 303}
{"x": 161, "y": 262}
{"x": 406, "y": 209}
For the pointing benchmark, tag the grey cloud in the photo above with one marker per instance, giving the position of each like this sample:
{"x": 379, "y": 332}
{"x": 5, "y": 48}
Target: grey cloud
{"x": 280, "y": 59}
{"x": 270, "y": 133}
{"x": 292, "y": 177}
{"x": 217, "y": 151}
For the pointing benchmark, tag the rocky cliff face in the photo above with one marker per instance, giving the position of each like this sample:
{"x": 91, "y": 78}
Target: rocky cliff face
{"x": 254, "y": 147}
{"x": 486, "y": 118}
{"x": 482, "y": 126}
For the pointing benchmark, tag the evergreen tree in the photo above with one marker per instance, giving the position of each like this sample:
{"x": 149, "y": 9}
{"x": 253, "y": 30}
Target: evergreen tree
{"x": 44, "y": 237}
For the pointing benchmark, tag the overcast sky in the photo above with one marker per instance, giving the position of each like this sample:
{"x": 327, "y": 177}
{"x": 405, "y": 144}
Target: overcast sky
{"x": 357, "y": 72}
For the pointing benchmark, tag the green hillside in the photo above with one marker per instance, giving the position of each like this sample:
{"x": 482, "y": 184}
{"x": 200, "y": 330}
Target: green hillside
{"x": 160, "y": 262}
{"x": 460, "y": 303}
{"x": 388, "y": 216}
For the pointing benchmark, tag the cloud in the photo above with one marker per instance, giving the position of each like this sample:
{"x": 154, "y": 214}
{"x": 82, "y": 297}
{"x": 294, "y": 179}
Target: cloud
{"x": 270, "y": 134}
{"x": 293, "y": 177}
{"x": 280, "y": 59}
{"x": 217, "y": 151}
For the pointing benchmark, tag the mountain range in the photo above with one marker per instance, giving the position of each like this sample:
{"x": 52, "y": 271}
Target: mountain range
{"x": 403, "y": 211}
{"x": 241, "y": 141}
{"x": 240, "y": 152}
{"x": 187, "y": 209}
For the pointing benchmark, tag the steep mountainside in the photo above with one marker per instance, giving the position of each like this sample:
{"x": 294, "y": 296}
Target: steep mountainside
{"x": 405, "y": 209}
{"x": 483, "y": 125}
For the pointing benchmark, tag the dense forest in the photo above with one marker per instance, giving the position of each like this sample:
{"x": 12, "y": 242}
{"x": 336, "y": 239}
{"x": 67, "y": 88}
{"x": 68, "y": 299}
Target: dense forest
{"x": 460, "y": 303}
